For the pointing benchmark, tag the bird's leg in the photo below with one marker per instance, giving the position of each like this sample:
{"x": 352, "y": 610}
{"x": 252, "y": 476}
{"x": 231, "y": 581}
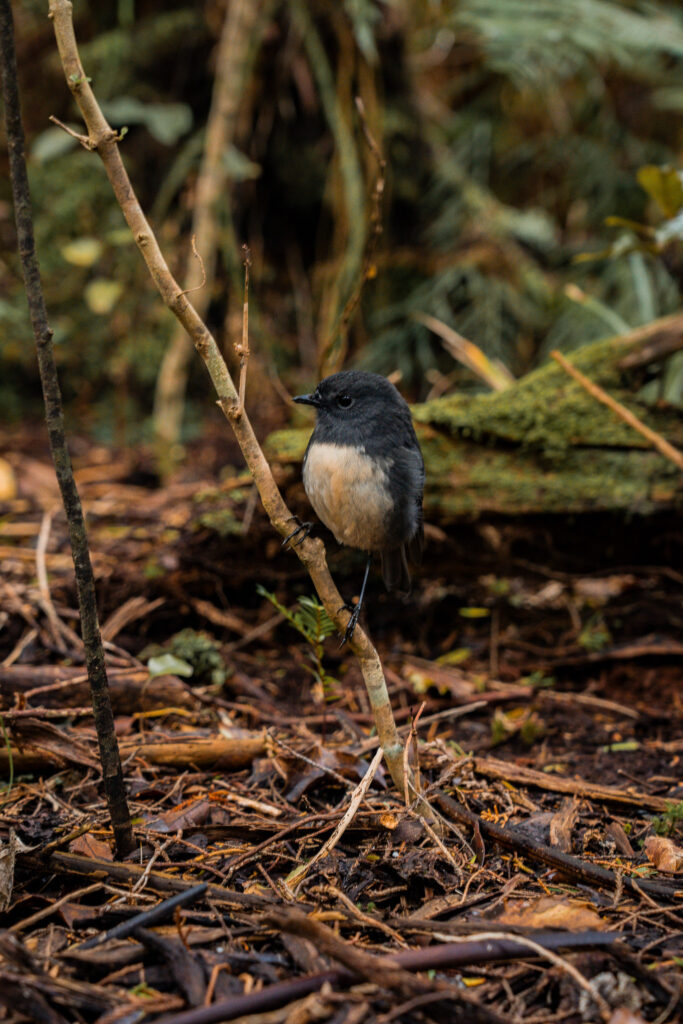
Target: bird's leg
{"x": 355, "y": 612}
{"x": 304, "y": 528}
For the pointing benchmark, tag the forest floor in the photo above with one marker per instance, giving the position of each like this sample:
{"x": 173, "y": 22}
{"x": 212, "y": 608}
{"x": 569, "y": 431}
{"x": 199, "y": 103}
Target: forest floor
{"x": 537, "y": 668}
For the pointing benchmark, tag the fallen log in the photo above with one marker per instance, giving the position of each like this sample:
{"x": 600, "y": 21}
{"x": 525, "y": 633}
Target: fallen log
{"x": 544, "y": 445}
{"x": 131, "y": 689}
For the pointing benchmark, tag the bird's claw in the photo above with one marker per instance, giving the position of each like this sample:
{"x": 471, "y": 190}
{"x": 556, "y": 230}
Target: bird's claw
{"x": 351, "y": 624}
{"x": 304, "y": 528}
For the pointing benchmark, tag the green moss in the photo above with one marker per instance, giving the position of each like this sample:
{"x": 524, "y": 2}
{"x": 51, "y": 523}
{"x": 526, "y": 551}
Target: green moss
{"x": 550, "y": 411}
{"x": 542, "y": 446}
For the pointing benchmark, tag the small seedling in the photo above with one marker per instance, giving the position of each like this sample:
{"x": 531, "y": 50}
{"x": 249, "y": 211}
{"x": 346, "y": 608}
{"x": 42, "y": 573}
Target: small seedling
{"x": 313, "y": 623}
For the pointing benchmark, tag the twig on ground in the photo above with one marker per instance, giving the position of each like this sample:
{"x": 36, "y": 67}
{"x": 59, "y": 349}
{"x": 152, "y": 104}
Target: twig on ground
{"x": 85, "y": 582}
{"x": 145, "y": 919}
{"x": 433, "y": 957}
{"x": 297, "y": 876}
{"x": 509, "y": 838}
{"x": 655, "y": 439}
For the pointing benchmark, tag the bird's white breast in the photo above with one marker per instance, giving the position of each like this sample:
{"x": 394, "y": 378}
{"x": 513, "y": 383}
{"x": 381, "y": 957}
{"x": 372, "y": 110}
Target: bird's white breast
{"x": 349, "y": 491}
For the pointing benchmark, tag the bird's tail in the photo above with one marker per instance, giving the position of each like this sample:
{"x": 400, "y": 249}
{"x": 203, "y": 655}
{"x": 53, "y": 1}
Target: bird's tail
{"x": 395, "y": 570}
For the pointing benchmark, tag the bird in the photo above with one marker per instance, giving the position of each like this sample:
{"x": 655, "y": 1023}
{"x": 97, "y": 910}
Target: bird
{"x": 363, "y": 473}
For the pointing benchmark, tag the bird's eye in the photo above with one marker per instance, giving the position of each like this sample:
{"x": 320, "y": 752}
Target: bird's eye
{"x": 344, "y": 401}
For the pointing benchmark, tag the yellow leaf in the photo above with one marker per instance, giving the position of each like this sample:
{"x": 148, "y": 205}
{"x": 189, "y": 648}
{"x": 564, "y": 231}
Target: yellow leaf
{"x": 102, "y": 295}
{"x": 82, "y": 252}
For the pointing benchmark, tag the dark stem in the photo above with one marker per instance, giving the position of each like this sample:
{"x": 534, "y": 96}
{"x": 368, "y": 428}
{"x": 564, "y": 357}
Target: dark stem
{"x": 85, "y": 583}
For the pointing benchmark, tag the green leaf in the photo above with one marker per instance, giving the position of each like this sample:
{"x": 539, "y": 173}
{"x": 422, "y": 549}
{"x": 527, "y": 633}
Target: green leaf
{"x": 664, "y": 185}
{"x": 239, "y": 167}
{"x": 53, "y": 142}
{"x": 167, "y": 122}
{"x": 454, "y": 657}
{"x": 621, "y": 747}
{"x": 168, "y": 665}
{"x": 474, "y": 613}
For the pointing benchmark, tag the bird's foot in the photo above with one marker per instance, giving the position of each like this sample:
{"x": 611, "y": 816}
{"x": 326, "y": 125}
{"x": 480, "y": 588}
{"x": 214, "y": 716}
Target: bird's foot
{"x": 352, "y": 623}
{"x": 303, "y": 528}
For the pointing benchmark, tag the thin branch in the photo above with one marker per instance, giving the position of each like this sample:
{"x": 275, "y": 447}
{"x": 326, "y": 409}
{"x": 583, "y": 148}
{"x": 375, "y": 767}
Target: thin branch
{"x": 311, "y": 552}
{"x": 243, "y": 349}
{"x": 83, "y": 139}
{"x": 200, "y": 261}
{"x": 112, "y": 775}
{"x": 655, "y": 439}
{"x": 334, "y": 351}
{"x": 244, "y": 21}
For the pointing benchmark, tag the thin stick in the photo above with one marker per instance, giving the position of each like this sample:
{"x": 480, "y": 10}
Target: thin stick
{"x": 83, "y": 139}
{"x": 312, "y": 551}
{"x": 335, "y": 348}
{"x": 243, "y": 349}
{"x": 28, "y": 922}
{"x": 655, "y": 439}
{"x": 544, "y": 953}
{"x": 85, "y": 581}
{"x": 297, "y": 876}
{"x": 197, "y": 256}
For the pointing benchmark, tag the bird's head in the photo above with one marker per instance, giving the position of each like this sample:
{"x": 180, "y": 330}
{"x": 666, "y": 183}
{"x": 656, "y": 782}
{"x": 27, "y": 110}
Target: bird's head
{"x": 354, "y": 397}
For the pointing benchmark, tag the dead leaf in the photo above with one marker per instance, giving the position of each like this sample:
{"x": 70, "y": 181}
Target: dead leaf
{"x": 615, "y": 831}
{"x": 562, "y": 823}
{"x": 622, "y": 1015}
{"x": 31, "y": 732}
{"x": 664, "y": 854}
{"x": 551, "y": 912}
{"x": 91, "y": 847}
{"x": 601, "y": 590}
{"x": 8, "y": 481}
{"x": 190, "y": 813}
{"x": 8, "y": 855}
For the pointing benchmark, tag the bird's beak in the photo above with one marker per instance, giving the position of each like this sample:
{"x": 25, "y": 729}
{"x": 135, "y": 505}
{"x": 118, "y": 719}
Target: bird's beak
{"x": 307, "y": 399}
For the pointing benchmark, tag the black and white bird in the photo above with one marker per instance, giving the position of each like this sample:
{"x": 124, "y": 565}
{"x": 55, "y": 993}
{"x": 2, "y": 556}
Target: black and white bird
{"x": 364, "y": 474}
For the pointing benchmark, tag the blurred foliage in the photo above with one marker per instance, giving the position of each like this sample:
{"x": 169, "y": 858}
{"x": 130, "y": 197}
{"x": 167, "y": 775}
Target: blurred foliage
{"x": 512, "y": 132}
{"x": 188, "y": 653}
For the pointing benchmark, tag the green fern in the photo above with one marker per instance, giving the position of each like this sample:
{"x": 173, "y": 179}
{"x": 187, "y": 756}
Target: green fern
{"x": 313, "y": 623}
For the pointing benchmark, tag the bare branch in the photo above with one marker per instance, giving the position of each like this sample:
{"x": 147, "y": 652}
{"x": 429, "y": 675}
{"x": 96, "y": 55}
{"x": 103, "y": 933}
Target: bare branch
{"x": 85, "y": 581}
{"x": 311, "y": 552}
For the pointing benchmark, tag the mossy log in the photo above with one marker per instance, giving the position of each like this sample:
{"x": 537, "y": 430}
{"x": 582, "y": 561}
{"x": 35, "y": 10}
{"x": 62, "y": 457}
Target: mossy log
{"x": 544, "y": 445}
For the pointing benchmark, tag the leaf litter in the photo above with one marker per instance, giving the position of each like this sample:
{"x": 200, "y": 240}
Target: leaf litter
{"x": 273, "y": 874}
